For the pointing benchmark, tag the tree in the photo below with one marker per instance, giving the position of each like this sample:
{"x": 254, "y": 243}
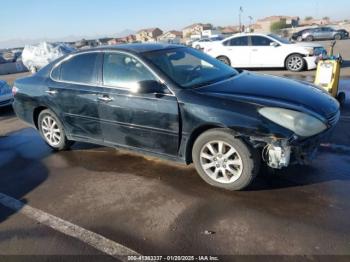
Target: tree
{"x": 308, "y": 18}
{"x": 326, "y": 18}
{"x": 277, "y": 26}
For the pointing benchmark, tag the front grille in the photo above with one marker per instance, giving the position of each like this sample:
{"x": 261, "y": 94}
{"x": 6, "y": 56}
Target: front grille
{"x": 333, "y": 119}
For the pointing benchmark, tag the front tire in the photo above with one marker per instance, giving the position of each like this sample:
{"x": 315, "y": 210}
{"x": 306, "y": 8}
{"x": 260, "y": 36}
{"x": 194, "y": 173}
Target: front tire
{"x": 52, "y": 131}
{"x": 225, "y": 60}
{"x": 338, "y": 37}
{"x": 224, "y": 161}
{"x": 295, "y": 63}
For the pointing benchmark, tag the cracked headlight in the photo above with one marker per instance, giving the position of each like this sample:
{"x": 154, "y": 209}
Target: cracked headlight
{"x": 300, "y": 123}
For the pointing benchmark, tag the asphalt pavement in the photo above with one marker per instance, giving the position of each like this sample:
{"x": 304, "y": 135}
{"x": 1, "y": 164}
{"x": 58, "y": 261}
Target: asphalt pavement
{"x": 90, "y": 194}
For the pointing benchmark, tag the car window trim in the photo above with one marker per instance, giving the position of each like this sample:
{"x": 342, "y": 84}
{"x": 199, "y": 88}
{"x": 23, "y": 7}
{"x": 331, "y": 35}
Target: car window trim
{"x": 100, "y": 83}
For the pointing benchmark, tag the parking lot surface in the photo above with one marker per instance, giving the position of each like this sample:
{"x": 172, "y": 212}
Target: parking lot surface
{"x": 158, "y": 207}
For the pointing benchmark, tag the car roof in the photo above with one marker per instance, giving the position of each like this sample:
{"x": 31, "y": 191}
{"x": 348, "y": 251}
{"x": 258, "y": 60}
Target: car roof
{"x": 137, "y": 48}
{"x": 249, "y": 34}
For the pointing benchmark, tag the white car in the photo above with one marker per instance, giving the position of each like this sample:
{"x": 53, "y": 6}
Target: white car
{"x": 206, "y": 42}
{"x": 260, "y": 50}
{"x": 6, "y": 97}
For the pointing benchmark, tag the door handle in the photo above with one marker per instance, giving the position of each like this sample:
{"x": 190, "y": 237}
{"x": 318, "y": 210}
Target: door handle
{"x": 104, "y": 98}
{"x": 51, "y": 92}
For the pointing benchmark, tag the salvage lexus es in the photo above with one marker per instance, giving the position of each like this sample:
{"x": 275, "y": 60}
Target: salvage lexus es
{"x": 178, "y": 103}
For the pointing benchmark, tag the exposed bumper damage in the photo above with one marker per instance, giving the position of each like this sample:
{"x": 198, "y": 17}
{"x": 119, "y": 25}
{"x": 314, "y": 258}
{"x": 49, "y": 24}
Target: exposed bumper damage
{"x": 280, "y": 153}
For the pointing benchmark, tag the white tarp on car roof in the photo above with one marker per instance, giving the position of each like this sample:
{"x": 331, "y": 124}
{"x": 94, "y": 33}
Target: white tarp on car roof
{"x": 37, "y": 56}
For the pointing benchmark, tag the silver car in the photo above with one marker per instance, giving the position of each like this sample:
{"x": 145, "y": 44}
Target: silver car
{"x": 322, "y": 33}
{"x": 6, "y": 97}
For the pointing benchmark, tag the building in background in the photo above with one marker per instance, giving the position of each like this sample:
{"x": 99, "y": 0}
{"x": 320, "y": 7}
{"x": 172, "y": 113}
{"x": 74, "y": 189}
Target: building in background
{"x": 171, "y": 37}
{"x": 230, "y": 30}
{"x": 265, "y": 23}
{"x": 325, "y": 21}
{"x": 149, "y": 34}
{"x": 195, "y": 31}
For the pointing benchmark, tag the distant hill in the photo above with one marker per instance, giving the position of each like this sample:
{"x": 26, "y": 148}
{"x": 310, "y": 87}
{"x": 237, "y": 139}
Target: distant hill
{"x": 11, "y": 43}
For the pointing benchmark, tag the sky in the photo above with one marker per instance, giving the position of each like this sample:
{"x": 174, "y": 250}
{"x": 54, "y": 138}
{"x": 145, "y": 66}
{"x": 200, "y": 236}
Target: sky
{"x": 34, "y": 19}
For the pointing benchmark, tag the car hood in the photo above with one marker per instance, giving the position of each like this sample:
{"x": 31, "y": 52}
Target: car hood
{"x": 275, "y": 91}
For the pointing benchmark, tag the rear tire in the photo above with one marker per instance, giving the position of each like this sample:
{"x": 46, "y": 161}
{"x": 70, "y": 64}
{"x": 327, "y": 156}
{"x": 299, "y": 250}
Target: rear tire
{"x": 52, "y": 131}
{"x": 225, "y": 60}
{"x": 224, "y": 161}
{"x": 295, "y": 63}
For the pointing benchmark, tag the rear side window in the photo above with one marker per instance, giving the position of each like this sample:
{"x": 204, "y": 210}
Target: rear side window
{"x": 79, "y": 69}
{"x": 261, "y": 41}
{"x": 237, "y": 41}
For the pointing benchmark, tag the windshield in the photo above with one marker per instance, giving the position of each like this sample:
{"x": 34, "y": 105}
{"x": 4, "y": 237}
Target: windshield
{"x": 190, "y": 68}
{"x": 280, "y": 39}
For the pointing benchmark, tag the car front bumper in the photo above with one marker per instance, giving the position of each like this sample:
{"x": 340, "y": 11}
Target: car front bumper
{"x": 6, "y": 99}
{"x": 311, "y": 62}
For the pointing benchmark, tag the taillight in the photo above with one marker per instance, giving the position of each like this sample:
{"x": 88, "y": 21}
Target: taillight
{"x": 14, "y": 90}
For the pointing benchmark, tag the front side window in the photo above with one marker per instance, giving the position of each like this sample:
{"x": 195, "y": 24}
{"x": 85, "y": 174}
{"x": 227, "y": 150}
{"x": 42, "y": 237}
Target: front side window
{"x": 261, "y": 41}
{"x": 121, "y": 70}
{"x": 237, "y": 41}
{"x": 79, "y": 69}
{"x": 189, "y": 68}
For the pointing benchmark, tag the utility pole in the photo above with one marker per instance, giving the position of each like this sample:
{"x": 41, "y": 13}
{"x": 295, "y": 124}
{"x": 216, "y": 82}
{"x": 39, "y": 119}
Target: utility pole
{"x": 240, "y": 18}
{"x": 250, "y": 23}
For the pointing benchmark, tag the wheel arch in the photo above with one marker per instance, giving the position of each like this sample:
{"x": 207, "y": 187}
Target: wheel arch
{"x": 193, "y": 137}
{"x": 294, "y": 53}
{"x": 226, "y": 57}
{"x": 36, "y": 114}
{"x": 37, "y": 110}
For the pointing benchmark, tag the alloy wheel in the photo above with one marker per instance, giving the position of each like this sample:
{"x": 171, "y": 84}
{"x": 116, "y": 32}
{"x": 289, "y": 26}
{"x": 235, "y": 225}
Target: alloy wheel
{"x": 221, "y": 162}
{"x": 51, "y": 131}
{"x": 295, "y": 63}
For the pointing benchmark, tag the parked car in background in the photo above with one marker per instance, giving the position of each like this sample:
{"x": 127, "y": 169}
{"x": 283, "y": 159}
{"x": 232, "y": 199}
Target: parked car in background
{"x": 177, "y": 103}
{"x": 259, "y": 51}
{"x": 205, "y": 42}
{"x": 298, "y": 36}
{"x": 6, "y": 97}
{"x": 324, "y": 33}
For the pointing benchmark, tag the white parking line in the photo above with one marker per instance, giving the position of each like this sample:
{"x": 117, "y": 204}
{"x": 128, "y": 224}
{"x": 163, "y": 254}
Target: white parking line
{"x": 97, "y": 241}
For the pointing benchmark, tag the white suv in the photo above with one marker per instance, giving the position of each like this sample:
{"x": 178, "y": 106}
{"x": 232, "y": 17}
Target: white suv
{"x": 259, "y": 50}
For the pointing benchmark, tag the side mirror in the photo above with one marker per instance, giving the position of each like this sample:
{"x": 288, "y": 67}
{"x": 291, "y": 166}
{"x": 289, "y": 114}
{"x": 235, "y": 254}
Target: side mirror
{"x": 274, "y": 44}
{"x": 149, "y": 87}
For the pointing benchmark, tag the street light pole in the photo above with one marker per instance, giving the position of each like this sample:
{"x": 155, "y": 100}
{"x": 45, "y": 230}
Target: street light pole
{"x": 240, "y": 18}
{"x": 250, "y": 23}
